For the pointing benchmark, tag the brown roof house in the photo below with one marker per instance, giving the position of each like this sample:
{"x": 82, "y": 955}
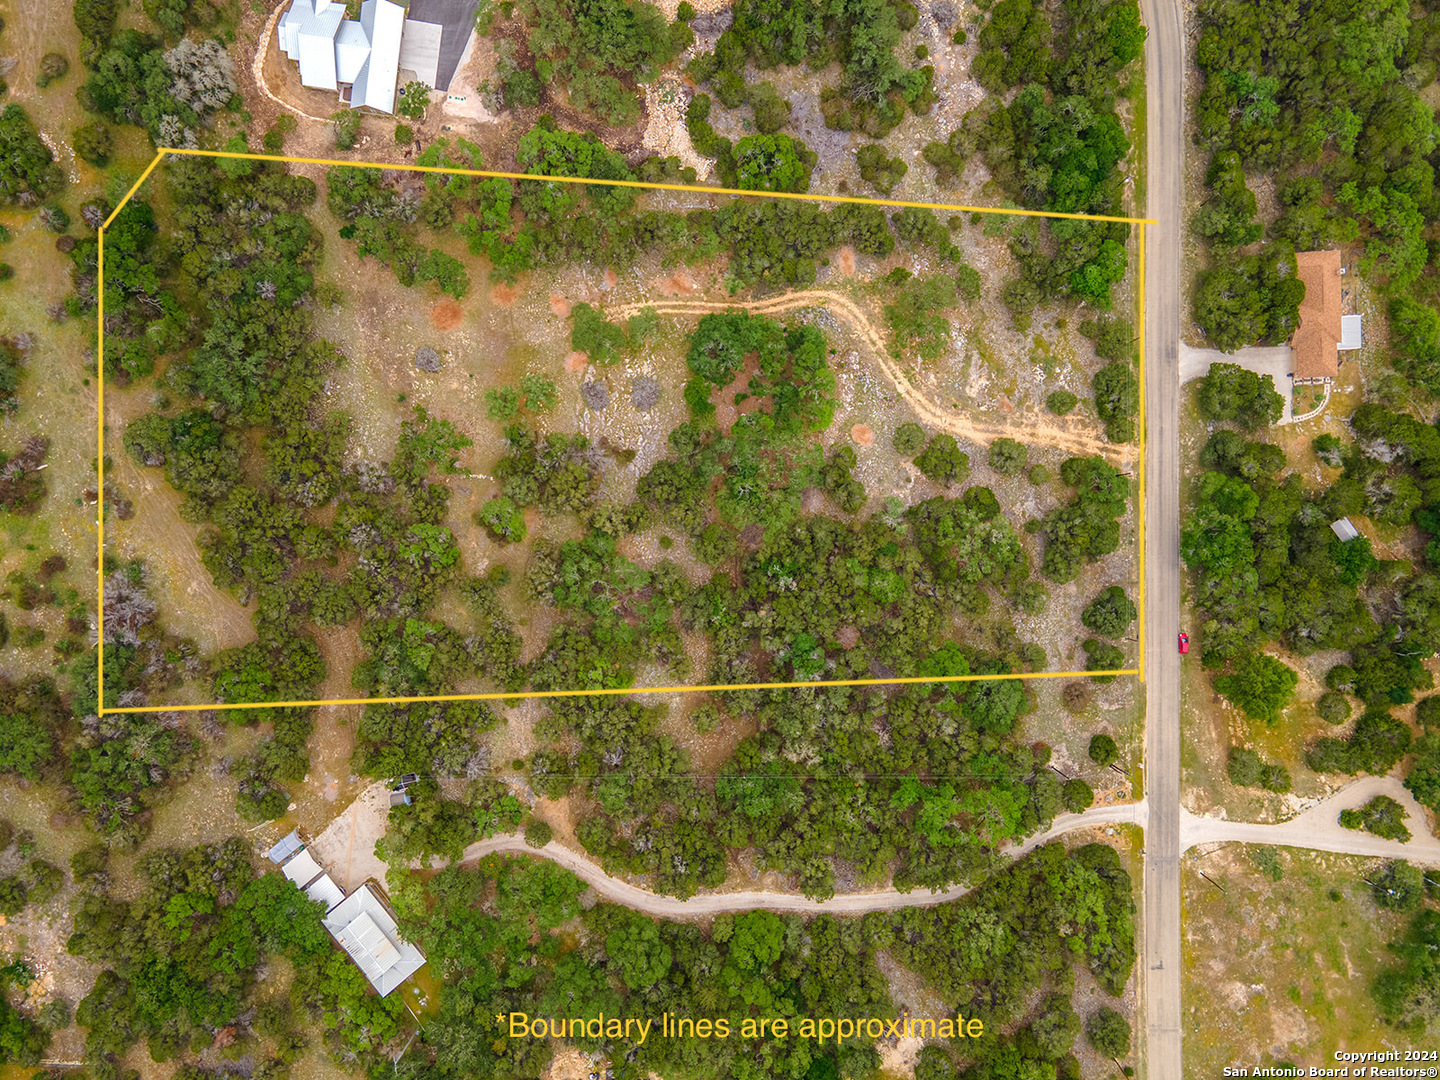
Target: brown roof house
{"x": 1323, "y": 331}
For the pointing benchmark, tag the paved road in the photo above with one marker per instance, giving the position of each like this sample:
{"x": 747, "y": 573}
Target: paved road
{"x": 1165, "y": 160}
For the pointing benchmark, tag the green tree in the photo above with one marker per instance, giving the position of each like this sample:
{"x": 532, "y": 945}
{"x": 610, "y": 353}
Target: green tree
{"x": 636, "y": 948}
{"x": 1399, "y": 886}
{"x": 1008, "y": 457}
{"x": 1103, "y": 750}
{"x": 1110, "y": 613}
{"x": 1259, "y": 685}
{"x": 1229, "y": 392}
{"x": 1108, "y": 1032}
{"x": 943, "y": 461}
{"x": 909, "y": 439}
{"x": 28, "y": 173}
{"x": 773, "y": 163}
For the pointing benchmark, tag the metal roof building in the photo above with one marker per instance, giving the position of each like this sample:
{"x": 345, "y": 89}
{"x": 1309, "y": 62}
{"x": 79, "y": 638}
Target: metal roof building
{"x": 361, "y": 59}
{"x": 360, "y": 923}
{"x": 301, "y": 868}
{"x": 285, "y": 847}
{"x": 364, "y": 928}
{"x": 1344, "y": 529}
{"x": 324, "y": 890}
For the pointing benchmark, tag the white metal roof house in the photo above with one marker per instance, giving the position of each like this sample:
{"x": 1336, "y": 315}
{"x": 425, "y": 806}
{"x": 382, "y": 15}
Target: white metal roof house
{"x": 360, "y": 923}
{"x": 365, "y": 929}
{"x": 360, "y": 59}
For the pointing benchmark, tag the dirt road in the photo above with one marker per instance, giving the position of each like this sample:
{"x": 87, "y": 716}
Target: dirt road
{"x": 347, "y": 850}
{"x": 1319, "y": 827}
{"x": 886, "y": 899}
{"x": 1071, "y": 436}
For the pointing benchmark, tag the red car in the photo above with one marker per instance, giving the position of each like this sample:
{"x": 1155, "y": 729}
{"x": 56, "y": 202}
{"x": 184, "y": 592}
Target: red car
{"x": 1184, "y": 643}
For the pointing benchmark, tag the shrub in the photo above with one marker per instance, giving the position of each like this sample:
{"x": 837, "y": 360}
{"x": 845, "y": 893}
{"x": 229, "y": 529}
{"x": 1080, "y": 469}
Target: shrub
{"x": 1108, "y": 1032}
{"x": 596, "y": 395}
{"x": 1102, "y": 656}
{"x": 943, "y": 461}
{"x": 1117, "y": 400}
{"x": 644, "y": 393}
{"x": 1008, "y": 457}
{"x": 909, "y": 439}
{"x": 1061, "y": 402}
{"x": 772, "y": 112}
{"x": 346, "y": 125}
{"x": 404, "y": 134}
{"x": 522, "y": 90}
{"x": 1341, "y": 677}
{"x": 93, "y": 143}
{"x": 538, "y": 834}
{"x": 53, "y": 66}
{"x": 1328, "y": 449}
{"x": 46, "y": 881}
{"x": 1103, "y": 750}
{"x": 879, "y": 171}
{"x": 1333, "y": 708}
{"x": 13, "y": 893}
{"x": 1382, "y": 816}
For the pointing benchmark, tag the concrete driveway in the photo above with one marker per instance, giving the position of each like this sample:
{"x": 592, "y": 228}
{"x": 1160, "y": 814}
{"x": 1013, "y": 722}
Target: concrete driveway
{"x": 1277, "y": 361}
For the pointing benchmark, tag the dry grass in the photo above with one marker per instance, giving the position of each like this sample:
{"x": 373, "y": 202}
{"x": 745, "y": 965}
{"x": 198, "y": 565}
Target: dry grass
{"x": 1279, "y": 971}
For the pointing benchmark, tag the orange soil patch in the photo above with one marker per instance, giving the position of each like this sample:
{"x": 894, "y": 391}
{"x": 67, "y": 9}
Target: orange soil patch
{"x": 576, "y": 361}
{"x": 609, "y": 280}
{"x": 863, "y": 434}
{"x": 504, "y": 295}
{"x": 559, "y": 306}
{"x": 446, "y": 315}
{"x": 679, "y": 283}
{"x": 727, "y": 411}
{"x": 845, "y": 260}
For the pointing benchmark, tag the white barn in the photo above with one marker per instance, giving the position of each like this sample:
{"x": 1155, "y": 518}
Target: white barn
{"x": 360, "y": 59}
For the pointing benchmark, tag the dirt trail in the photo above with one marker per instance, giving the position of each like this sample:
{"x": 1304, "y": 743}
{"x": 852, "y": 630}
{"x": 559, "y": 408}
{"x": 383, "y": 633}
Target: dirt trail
{"x": 346, "y": 850}
{"x": 1031, "y": 429}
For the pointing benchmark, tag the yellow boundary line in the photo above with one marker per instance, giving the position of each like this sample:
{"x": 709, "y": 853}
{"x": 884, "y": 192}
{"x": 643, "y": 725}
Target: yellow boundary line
{"x": 163, "y": 152}
{"x": 1140, "y": 496}
{"x": 625, "y": 691}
